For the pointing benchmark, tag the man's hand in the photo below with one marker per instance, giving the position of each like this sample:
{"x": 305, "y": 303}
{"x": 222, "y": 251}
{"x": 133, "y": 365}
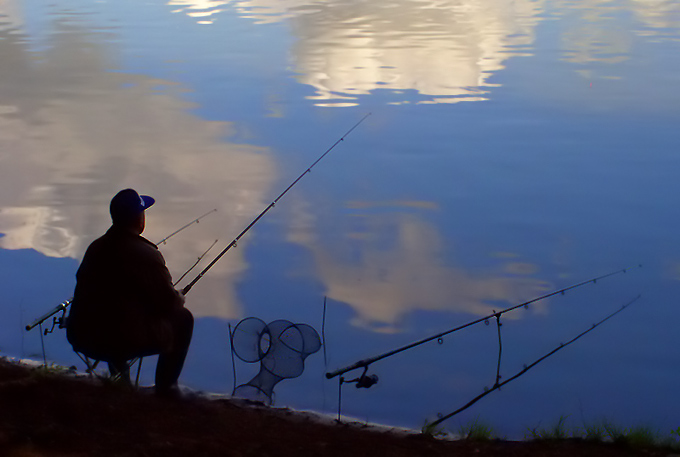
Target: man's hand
{"x": 181, "y": 296}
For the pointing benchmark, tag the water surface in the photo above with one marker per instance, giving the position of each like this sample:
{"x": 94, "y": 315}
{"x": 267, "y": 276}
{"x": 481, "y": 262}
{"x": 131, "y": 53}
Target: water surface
{"x": 514, "y": 148}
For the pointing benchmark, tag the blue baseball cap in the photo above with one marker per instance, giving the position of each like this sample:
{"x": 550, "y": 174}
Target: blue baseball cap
{"x": 128, "y": 203}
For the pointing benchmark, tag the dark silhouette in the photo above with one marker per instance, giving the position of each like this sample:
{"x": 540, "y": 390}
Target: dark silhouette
{"x": 125, "y": 305}
{"x": 281, "y": 347}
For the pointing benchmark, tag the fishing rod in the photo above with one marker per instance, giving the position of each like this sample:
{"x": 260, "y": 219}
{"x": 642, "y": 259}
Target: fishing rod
{"x": 195, "y": 221}
{"x": 61, "y": 307}
{"x": 188, "y": 287}
{"x": 39, "y": 321}
{"x": 200, "y": 257}
{"x": 526, "y": 368}
{"x": 366, "y": 362}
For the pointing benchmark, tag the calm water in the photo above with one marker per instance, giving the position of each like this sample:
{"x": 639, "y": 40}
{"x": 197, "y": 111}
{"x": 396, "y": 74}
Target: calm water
{"x": 514, "y": 148}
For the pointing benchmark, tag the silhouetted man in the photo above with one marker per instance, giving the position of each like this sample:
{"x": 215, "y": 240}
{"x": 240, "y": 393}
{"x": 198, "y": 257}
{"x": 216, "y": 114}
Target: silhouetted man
{"x": 125, "y": 305}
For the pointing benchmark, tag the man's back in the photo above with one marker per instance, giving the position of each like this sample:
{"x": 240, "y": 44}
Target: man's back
{"x": 122, "y": 295}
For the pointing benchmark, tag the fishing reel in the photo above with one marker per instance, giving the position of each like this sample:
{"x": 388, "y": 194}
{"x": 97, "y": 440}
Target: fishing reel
{"x": 59, "y": 322}
{"x": 363, "y": 381}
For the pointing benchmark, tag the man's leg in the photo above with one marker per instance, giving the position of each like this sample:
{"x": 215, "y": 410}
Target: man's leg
{"x": 171, "y": 362}
{"x": 120, "y": 370}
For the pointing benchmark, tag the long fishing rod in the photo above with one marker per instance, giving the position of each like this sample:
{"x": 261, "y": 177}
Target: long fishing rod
{"x": 526, "y": 368}
{"x": 366, "y": 362}
{"x": 61, "y": 307}
{"x": 188, "y": 287}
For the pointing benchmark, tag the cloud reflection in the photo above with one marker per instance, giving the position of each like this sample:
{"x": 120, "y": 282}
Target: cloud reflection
{"x": 445, "y": 50}
{"x": 10, "y": 14}
{"x": 383, "y": 284}
{"x": 594, "y": 37}
{"x": 598, "y": 35}
{"x": 442, "y": 51}
{"x": 660, "y": 17}
{"x": 202, "y": 10}
{"x": 73, "y": 133}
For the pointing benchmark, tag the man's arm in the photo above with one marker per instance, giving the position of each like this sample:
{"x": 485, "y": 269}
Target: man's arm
{"x": 157, "y": 282}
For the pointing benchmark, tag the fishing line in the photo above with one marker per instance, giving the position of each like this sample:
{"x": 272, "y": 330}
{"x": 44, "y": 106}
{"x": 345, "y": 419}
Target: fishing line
{"x": 325, "y": 358}
{"x": 323, "y": 334}
{"x": 233, "y": 360}
{"x": 500, "y": 348}
{"x": 42, "y": 343}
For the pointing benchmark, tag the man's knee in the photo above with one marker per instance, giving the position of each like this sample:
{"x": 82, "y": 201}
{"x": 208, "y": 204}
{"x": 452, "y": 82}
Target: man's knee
{"x": 182, "y": 323}
{"x": 184, "y": 319}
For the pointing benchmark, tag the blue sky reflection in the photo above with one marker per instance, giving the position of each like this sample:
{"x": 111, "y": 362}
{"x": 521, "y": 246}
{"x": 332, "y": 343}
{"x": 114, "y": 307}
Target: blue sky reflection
{"x": 431, "y": 214}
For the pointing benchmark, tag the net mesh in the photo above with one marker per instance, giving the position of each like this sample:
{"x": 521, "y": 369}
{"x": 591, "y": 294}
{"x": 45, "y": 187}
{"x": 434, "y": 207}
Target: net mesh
{"x": 281, "y": 347}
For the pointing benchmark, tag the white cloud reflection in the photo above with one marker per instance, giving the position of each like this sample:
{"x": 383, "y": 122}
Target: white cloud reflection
{"x": 383, "y": 284}
{"x": 445, "y": 50}
{"x": 203, "y": 10}
{"x": 73, "y": 133}
{"x": 10, "y": 14}
{"x": 659, "y": 17}
{"x": 596, "y": 32}
{"x": 594, "y": 37}
{"x": 25, "y": 228}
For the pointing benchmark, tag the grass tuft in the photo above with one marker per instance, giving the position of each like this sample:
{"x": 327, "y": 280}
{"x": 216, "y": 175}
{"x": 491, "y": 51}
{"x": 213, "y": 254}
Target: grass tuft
{"x": 556, "y": 432}
{"x": 640, "y": 436}
{"x": 615, "y": 433}
{"x": 430, "y": 429}
{"x": 594, "y": 433}
{"x": 476, "y": 431}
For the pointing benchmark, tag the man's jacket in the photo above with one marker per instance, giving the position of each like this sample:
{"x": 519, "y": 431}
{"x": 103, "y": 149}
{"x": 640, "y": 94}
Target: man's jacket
{"x": 123, "y": 293}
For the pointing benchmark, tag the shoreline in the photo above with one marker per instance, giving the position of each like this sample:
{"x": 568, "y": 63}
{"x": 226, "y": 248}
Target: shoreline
{"x": 50, "y": 412}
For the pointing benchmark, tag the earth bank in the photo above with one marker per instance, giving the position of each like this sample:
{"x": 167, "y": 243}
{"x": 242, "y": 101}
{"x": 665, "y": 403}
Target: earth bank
{"x": 43, "y": 413}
